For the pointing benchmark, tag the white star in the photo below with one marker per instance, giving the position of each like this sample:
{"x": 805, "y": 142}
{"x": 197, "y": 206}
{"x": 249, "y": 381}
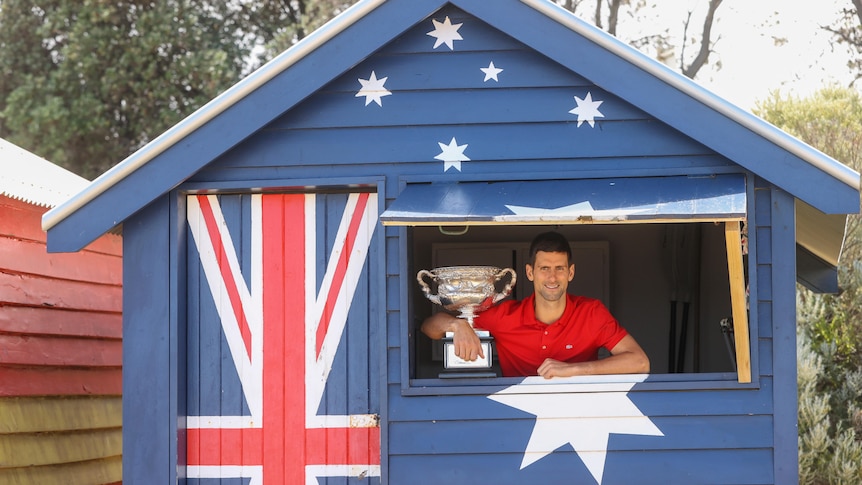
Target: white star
{"x": 491, "y": 72}
{"x": 452, "y": 155}
{"x": 587, "y": 110}
{"x": 445, "y": 33}
{"x": 579, "y": 210}
{"x": 584, "y": 420}
{"x": 373, "y": 90}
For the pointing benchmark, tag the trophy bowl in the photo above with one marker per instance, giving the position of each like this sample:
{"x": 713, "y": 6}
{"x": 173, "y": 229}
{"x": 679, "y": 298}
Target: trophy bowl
{"x": 467, "y": 290}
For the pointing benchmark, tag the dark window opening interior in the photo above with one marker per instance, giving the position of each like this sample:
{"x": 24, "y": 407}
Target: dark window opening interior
{"x": 666, "y": 283}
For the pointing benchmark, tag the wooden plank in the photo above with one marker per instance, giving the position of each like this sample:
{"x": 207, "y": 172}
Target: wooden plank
{"x": 43, "y": 414}
{"x": 60, "y": 351}
{"x": 737, "y": 300}
{"x": 496, "y": 105}
{"x": 21, "y": 256}
{"x": 151, "y": 356}
{"x": 727, "y": 467}
{"x": 38, "y": 291}
{"x": 105, "y": 470}
{"x": 487, "y": 141}
{"x": 20, "y": 219}
{"x": 680, "y": 432}
{"x": 782, "y": 282}
{"x": 455, "y": 70}
{"x": 651, "y": 403}
{"x": 58, "y": 321}
{"x": 52, "y": 381}
{"x": 37, "y": 449}
{"x": 24, "y": 221}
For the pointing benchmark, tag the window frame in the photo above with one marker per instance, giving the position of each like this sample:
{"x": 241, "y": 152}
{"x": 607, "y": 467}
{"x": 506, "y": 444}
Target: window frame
{"x": 747, "y": 379}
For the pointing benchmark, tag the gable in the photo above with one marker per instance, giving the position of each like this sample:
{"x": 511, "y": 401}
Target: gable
{"x": 533, "y": 115}
{"x": 644, "y": 87}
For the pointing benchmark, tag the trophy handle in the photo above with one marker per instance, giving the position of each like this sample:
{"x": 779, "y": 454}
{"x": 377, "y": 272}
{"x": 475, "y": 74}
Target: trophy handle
{"x": 420, "y": 277}
{"x": 508, "y": 288}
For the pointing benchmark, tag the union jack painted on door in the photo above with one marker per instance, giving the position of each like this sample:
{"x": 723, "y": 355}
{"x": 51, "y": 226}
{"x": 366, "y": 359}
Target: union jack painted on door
{"x": 281, "y": 342}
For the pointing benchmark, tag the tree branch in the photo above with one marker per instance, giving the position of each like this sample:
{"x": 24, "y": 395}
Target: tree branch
{"x": 705, "y": 43}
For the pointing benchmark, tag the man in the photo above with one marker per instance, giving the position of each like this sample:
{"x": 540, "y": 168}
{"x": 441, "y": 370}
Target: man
{"x": 550, "y": 333}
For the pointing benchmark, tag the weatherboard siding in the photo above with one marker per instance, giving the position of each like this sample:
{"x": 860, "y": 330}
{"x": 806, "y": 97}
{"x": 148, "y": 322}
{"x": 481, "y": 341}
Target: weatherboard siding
{"x": 60, "y": 355}
{"x": 517, "y": 128}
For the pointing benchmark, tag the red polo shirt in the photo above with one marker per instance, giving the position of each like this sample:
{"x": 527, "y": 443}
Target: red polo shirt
{"x": 523, "y": 342}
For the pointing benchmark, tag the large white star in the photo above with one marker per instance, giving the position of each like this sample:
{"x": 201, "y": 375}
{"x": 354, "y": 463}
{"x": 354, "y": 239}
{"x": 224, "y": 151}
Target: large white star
{"x": 446, "y": 33}
{"x": 585, "y": 420}
{"x": 491, "y": 72}
{"x": 373, "y": 90}
{"x": 452, "y": 155}
{"x": 587, "y": 110}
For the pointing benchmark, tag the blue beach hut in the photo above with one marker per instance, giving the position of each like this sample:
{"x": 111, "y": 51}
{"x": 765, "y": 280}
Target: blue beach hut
{"x": 272, "y": 241}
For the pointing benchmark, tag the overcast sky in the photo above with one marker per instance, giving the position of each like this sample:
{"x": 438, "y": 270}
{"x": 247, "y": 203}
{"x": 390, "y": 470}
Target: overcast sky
{"x": 752, "y": 62}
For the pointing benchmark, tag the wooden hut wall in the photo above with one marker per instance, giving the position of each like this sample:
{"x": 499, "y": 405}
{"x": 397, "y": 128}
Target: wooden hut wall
{"x": 60, "y": 355}
{"x": 520, "y": 128}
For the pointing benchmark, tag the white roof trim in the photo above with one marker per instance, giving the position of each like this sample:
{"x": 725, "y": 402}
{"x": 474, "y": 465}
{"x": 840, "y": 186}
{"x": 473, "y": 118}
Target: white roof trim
{"x": 800, "y": 149}
{"x": 210, "y": 110}
{"x": 34, "y": 180}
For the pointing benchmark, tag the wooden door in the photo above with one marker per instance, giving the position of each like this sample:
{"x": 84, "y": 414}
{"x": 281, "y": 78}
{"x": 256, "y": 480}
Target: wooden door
{"x": 282, "y": 353}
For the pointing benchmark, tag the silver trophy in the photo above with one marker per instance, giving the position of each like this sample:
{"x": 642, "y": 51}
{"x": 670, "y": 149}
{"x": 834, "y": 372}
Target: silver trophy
{"x": 467, "y": 290}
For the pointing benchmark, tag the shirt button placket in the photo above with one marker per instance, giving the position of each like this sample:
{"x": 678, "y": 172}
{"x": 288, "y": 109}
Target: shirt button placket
{"x": 544, "y": 351}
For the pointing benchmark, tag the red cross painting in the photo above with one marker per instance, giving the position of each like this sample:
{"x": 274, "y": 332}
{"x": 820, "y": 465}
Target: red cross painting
{"x": 268, "y": 374}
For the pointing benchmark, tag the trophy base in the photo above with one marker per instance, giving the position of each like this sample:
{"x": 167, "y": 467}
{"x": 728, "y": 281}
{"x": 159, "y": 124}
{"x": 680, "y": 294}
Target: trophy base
{"x": 457, "y": 367}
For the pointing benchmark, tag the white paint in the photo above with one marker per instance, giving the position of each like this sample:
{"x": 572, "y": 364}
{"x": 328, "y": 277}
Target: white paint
{"x": 587, "y": 110}
{"x": 452, "y": 155}
{"x": 491, "y": 72}
{"x": 373, "y": 90}
{"x": 249, "y": 367}
{"x": 584, "y": 420}
{"x": 445, "y": 33}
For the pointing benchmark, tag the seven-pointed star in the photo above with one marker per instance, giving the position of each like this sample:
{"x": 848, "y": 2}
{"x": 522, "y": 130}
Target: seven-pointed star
{"x": 452, "y": 155}
{"x": 373, "y": 90}
{"x": 587, "y": 110}
{"x": 491, "y": 72}
{"x": 585, "y": 420}
{"x": 445, "y": 33}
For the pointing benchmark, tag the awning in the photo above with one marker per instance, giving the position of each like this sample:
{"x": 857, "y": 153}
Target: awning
{"x": 819, "y": 240}
{"x": 619, "y": 200}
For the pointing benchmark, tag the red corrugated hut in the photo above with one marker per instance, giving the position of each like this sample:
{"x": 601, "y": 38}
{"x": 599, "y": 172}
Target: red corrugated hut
{"x": 60, "y": 337}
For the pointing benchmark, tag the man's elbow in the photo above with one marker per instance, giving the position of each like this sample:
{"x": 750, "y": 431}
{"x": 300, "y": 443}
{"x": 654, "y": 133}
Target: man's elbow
{"x": 643, "y": 364}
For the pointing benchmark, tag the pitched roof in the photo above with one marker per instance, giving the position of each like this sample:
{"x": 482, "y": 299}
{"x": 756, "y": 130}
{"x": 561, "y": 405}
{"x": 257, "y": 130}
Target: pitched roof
{"x": 32, "y": 179}
{"x": 358, "y": 32}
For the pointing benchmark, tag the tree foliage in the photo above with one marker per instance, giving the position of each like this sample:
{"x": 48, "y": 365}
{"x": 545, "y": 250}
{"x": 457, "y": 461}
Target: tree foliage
{"x": 829, "y": 326}
{"x": 84, "y": 83}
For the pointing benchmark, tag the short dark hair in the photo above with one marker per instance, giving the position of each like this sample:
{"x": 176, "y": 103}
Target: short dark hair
{"x": 550, "y": 242}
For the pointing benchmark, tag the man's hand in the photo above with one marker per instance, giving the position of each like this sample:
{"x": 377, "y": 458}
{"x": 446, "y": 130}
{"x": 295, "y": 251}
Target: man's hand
{"x": 626, "y": 357}
{"x": 466, "y": 342}
{"x": 555, "y": 368}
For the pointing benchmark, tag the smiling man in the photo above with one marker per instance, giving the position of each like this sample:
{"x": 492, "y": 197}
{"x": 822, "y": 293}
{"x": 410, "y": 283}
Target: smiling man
{"x": 550, "y": 333}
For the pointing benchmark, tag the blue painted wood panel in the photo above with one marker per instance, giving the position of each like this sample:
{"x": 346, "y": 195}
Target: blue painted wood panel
{"x": 677, "y": 467}
{"x": 483, "y": 436}
{"x": 485, "y": 142}
{"x": 150, "y": 387}
{"x": 687, "y": 403}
